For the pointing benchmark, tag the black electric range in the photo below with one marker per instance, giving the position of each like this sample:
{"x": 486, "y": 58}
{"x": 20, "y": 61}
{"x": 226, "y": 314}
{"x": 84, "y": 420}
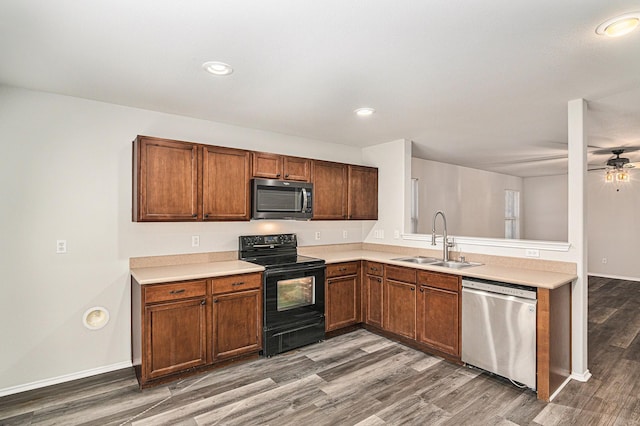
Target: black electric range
{"x": 293, "y": 291}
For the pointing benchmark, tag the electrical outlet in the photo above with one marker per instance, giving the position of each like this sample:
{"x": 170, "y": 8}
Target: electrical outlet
{"x": 345, "y": 234}
{"x": 532, "y": 253}
{"x": 379, "y": 233}
{"x": 61, "y": 246}
{"x": 195, "y": 241}
{"x": 604, "y": 260}
{"x": 317, "y": 235}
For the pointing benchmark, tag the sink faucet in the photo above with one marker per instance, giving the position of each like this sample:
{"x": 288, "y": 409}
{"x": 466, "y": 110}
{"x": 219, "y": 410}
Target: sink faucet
{"x": 446, "y": 244}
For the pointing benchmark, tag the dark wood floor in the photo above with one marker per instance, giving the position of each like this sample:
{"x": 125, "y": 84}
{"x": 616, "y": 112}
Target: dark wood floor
{"x": 361, "y": 378}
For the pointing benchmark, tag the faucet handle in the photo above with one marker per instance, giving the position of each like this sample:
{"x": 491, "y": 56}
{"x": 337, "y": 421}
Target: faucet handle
{"x": 462, "y": 259}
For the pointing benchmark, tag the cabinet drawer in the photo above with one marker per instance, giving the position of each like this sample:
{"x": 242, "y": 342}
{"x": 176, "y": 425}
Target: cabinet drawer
{"x": 443, "y": 281}
{"x": 401, "y": 274}
{"x": 174, "y": 291}
{"x": 235, "y": 283}
{"x": 341, "y": 269}
{"x": 374, "y": 268}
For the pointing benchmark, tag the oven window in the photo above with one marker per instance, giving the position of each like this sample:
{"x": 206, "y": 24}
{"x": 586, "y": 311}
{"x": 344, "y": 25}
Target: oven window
{"x": 296, "y": 292}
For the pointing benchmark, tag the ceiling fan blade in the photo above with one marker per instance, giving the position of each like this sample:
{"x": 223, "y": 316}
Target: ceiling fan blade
{"x": 596, "y": 168}
{"x": 609, "y": 151}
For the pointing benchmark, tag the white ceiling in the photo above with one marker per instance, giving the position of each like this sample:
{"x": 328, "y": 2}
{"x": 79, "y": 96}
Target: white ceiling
{"x": 473, "y": 83}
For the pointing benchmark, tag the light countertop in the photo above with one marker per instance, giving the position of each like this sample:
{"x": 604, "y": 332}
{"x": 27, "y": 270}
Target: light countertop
{"x": 529, "y": 277}
{"x": 192, "y": 271}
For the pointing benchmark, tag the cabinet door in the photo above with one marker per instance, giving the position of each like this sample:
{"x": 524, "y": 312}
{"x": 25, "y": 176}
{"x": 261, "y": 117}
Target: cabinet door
{"x": 175, "y": 337}
{"x": 400, "y": 308}
{"x": 225, "y": 184}
{"x": 363, "y": 193}
{"x": 165, "y": 180}
{"x": 343, "y": 302}
{"x": 329, "y": 190}
{"x": 237, "y": 324}
{"x": 295, "y": 168}
{"x": 373, "y": 293}
{"x": 266, "y": 165}
{"x": 438, "y": 324}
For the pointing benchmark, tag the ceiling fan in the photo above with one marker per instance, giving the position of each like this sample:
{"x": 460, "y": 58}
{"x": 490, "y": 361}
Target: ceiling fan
{"x": 616, "y": 167}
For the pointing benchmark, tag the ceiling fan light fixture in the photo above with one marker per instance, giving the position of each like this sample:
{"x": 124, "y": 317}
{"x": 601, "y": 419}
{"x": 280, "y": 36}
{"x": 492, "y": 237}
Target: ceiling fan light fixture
{"x": 620, "y": 25}
{"x": 609, "y": 177}
{"x": 622, "y": 176}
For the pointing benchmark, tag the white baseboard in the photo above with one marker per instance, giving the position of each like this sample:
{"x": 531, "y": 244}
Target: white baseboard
{"x": 615, "y": 277}
{"x": 66, "y": 378}
{"x": 553, "y": 395}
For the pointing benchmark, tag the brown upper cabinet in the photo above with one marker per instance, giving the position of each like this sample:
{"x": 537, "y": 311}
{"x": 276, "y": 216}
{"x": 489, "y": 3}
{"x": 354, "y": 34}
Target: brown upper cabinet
{"x": 183, "y": 181}
{"x": 343, "y": 191}
{"x": 330, "y": 187}
{"x": 274, "y": 166}
{"x": 363, "y": 193}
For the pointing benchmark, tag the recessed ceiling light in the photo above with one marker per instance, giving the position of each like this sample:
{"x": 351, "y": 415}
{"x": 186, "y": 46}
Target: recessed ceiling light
{"x": 217, "y": 68}
{"x": 364, "y": 112}
{"x": 620, "y": 25}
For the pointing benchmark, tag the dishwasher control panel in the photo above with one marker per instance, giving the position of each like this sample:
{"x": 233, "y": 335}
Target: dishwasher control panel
{"x": 502, "y": 288}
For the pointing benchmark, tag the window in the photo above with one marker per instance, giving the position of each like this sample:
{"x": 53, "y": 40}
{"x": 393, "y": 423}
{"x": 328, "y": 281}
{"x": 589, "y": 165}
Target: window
{"x": 511, "y": 214}
{"x": 414, "y": 205}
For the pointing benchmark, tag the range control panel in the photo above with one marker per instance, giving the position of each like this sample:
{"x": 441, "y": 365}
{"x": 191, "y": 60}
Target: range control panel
{"x": 268, "y": 241}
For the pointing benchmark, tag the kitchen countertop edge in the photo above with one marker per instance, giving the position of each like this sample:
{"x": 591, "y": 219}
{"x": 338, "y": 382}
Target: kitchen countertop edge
{"x": 192, "y": 271}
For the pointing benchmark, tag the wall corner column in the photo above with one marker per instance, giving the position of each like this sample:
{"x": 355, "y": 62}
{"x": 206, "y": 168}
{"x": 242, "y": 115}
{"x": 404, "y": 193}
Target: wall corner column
{"x": 577, "y": 144}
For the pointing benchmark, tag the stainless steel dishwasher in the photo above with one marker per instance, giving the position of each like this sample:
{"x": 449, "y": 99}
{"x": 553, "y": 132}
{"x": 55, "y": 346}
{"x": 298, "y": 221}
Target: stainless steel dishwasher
{"x": 499, "y": 329}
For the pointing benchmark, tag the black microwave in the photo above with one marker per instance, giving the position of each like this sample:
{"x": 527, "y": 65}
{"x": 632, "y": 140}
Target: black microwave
{"x": 281, "y": 199}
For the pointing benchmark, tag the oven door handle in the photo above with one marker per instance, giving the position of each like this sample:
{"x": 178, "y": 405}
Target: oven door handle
{"x": 289, "y": 270}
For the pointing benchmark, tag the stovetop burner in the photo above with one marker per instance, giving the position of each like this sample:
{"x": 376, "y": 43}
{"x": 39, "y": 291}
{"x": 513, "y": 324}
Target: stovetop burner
{"x": 274, "y": 251}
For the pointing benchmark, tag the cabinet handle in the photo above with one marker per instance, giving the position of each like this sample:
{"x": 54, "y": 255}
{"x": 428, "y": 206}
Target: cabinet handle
{"x": 342, "y": 269}
{"x": 379, "y": 280}
{"x": 206, "y": 216}
{"x": 203, "y": 302}
{"x": 421, "y": 290}
{"x": 237, "y": 284}
{"x": 195, "y": 215}
{"x": 215, "y": 300}
{"x": 177, "y": 291}
{"x": 413, "y": 289}
{"x": 278, "y": 175}
{"x": 374, "y": 269}
{"x": 286, "y": 176}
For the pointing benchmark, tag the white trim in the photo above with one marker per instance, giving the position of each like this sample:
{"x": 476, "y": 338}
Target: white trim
{"x": 65, "y": 378}
{"x": 615, "y": 277}
{"x": 581, "y": 377}
{"x": 498, "y": 242}
{"x": 553, "y": 395}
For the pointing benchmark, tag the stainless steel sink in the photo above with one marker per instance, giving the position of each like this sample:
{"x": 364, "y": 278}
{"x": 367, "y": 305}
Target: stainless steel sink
{"x": 455, "y": 264}
{"x": 418, "y": 259}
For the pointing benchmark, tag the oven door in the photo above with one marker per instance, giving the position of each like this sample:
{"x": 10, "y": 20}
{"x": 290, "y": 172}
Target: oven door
{"x": 293, "y": 296}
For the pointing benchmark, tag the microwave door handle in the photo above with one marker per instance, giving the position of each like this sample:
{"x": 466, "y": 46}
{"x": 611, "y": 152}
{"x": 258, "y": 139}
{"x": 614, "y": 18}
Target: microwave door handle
{"x": 304, "y": 199}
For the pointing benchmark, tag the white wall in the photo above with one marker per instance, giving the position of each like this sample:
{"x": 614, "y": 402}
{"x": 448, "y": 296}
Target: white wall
{"x": 545, "y": 208}
{"x": 66, "y": 174}
{"x": 473, "y": 200}
{"x": 614, "y": 226}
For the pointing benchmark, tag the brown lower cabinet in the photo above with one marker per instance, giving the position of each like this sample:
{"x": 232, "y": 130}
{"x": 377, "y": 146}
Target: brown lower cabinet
{"x": 439, "y": 312}
{"x": 181, "y": 327}
{"x": 342, "y": 295}
{"x": 373, "y": 294}
{"x": 400, "y": 301}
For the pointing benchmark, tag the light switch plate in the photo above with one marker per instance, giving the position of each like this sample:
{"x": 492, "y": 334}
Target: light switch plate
{"x": 195, "y": 241}
{"x": 61, "y": 246}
